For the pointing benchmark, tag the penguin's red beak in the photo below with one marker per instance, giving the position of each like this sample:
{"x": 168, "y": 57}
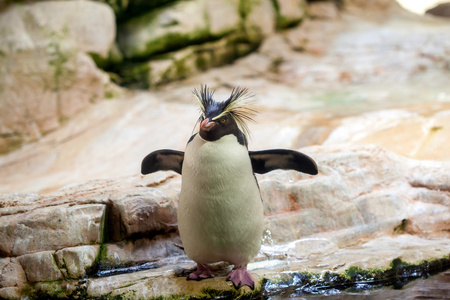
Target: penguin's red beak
{"x": 206, "y": 125}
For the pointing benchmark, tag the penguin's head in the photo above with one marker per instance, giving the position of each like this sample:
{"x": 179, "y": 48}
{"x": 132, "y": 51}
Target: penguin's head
{"x": 222, "y": 118}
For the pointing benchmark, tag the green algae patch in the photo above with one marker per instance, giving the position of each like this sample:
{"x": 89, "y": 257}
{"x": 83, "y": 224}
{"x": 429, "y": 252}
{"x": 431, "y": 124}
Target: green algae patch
{"x": 210, "y": 293}
{"x": 10, "y": 142}
{"x": 52, "y": 290}
{"x": 355, "y": 273}
{"x": 229, "y": 294}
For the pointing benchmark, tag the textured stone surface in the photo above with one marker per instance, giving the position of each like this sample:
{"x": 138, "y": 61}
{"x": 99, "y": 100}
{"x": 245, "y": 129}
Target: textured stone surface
{"x": 140, "y": 251}
{"x": 11, "y": 273}
{"x": 141, "y": 213}
{"x": 160, "y": 31}
{"x": 46, "y": 74}
{"x": 76, "y": 262}
{"x": 290, "y": 12}
{"x": 406, "y": 132}
{"x": 222, "y": 16}
{"x": 364, "y": 187}
{"x": 365, "y": 201}
{"x": 186, "y": 62}
{"x": 260, "y": 20}
{"x": 90, "y": 26}
{"x": 40, "y": 266}
{"x": 51, "y": 228}
{"x": 323, "y": 9}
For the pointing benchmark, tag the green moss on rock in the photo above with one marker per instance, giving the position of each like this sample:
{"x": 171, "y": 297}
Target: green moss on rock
{"x": 135, "y": 75}
{"x": 53, "y": 290}
{"x": 156, "y": 32}
{"x": 114, "y": 58}
{"x": 353, "y": 279}
{"x": 186, "y": 62}
{"x": 174, "y": 41}
{"x": 210, "y": 293}
{"x": 10, "y": 142}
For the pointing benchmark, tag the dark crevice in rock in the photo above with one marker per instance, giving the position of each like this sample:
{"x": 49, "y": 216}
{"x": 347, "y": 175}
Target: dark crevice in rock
{"x": 126, "y": 10}
{"x": 432, "y": 187}
{"x": 114, "y": 229}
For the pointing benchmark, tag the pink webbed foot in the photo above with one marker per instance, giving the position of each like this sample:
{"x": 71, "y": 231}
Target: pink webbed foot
{"x": 202, "y": 272}
{"x": 240, "y": 277}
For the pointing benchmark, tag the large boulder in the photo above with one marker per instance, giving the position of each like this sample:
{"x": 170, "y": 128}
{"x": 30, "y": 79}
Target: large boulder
{"x": 290, "y": 12}
{"x": 52, "y": 241}
{"x": 47, "y": 74}
{"x": 345, "y": 194}
{"x": 133, "y": 215}
{"x": 40, "y": 267}
{"x": 177, "y": 25}
{"x": 168, "y": 43}
{"x": 51, "y": 228}
{"x": 188, "y": 61}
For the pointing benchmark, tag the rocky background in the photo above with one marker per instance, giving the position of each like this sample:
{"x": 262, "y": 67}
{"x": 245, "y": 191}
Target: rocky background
{"x": 361, "y": 86}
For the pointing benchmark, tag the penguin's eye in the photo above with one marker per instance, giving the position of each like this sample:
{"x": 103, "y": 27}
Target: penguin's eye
{"x": 222, "y": 120}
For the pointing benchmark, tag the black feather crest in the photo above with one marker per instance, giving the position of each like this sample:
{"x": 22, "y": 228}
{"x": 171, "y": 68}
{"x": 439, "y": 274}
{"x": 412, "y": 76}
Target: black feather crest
{"x": 237, "y": 105}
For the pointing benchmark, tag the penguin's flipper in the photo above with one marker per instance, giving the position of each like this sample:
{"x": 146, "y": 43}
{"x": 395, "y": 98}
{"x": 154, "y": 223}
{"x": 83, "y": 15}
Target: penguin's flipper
{"x": 269, "y": 160}
{"x": 162, "y": 160}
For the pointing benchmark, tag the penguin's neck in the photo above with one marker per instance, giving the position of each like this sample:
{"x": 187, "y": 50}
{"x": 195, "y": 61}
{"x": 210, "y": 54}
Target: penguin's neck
{"x": 215, "y": 160}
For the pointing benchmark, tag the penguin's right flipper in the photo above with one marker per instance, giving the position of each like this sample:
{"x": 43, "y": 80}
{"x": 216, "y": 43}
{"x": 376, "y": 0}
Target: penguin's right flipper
{"x": 163, "y": 160}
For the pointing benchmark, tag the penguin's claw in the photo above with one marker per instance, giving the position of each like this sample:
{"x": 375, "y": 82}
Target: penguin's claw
{"x": 240, "y": 277}
{"x": 202, "y": 272}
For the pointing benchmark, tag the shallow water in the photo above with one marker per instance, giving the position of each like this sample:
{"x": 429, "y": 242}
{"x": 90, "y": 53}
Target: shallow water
{"x": 434, "y": 287}
{"x": 125, "y": 270}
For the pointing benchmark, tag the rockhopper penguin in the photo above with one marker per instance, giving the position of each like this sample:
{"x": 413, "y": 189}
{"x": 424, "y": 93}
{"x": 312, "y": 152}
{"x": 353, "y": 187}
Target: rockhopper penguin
{"x": 220, "y": 211}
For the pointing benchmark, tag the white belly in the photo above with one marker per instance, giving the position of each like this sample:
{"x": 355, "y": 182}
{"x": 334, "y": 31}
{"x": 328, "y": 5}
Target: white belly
{"x": 220, "y": 213}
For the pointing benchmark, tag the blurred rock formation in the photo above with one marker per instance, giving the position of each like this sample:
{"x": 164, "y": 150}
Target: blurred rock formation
{"x": 441, "y": 10}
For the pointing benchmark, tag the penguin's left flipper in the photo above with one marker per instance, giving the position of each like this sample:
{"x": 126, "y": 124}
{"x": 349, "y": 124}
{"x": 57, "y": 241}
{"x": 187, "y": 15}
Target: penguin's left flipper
{"x": 163, "y": 160}
{"x": 269, "y": 160}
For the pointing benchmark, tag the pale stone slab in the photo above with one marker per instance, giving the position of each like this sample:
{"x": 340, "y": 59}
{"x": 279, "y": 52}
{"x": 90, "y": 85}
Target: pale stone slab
{"x": 51, "y": 228}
